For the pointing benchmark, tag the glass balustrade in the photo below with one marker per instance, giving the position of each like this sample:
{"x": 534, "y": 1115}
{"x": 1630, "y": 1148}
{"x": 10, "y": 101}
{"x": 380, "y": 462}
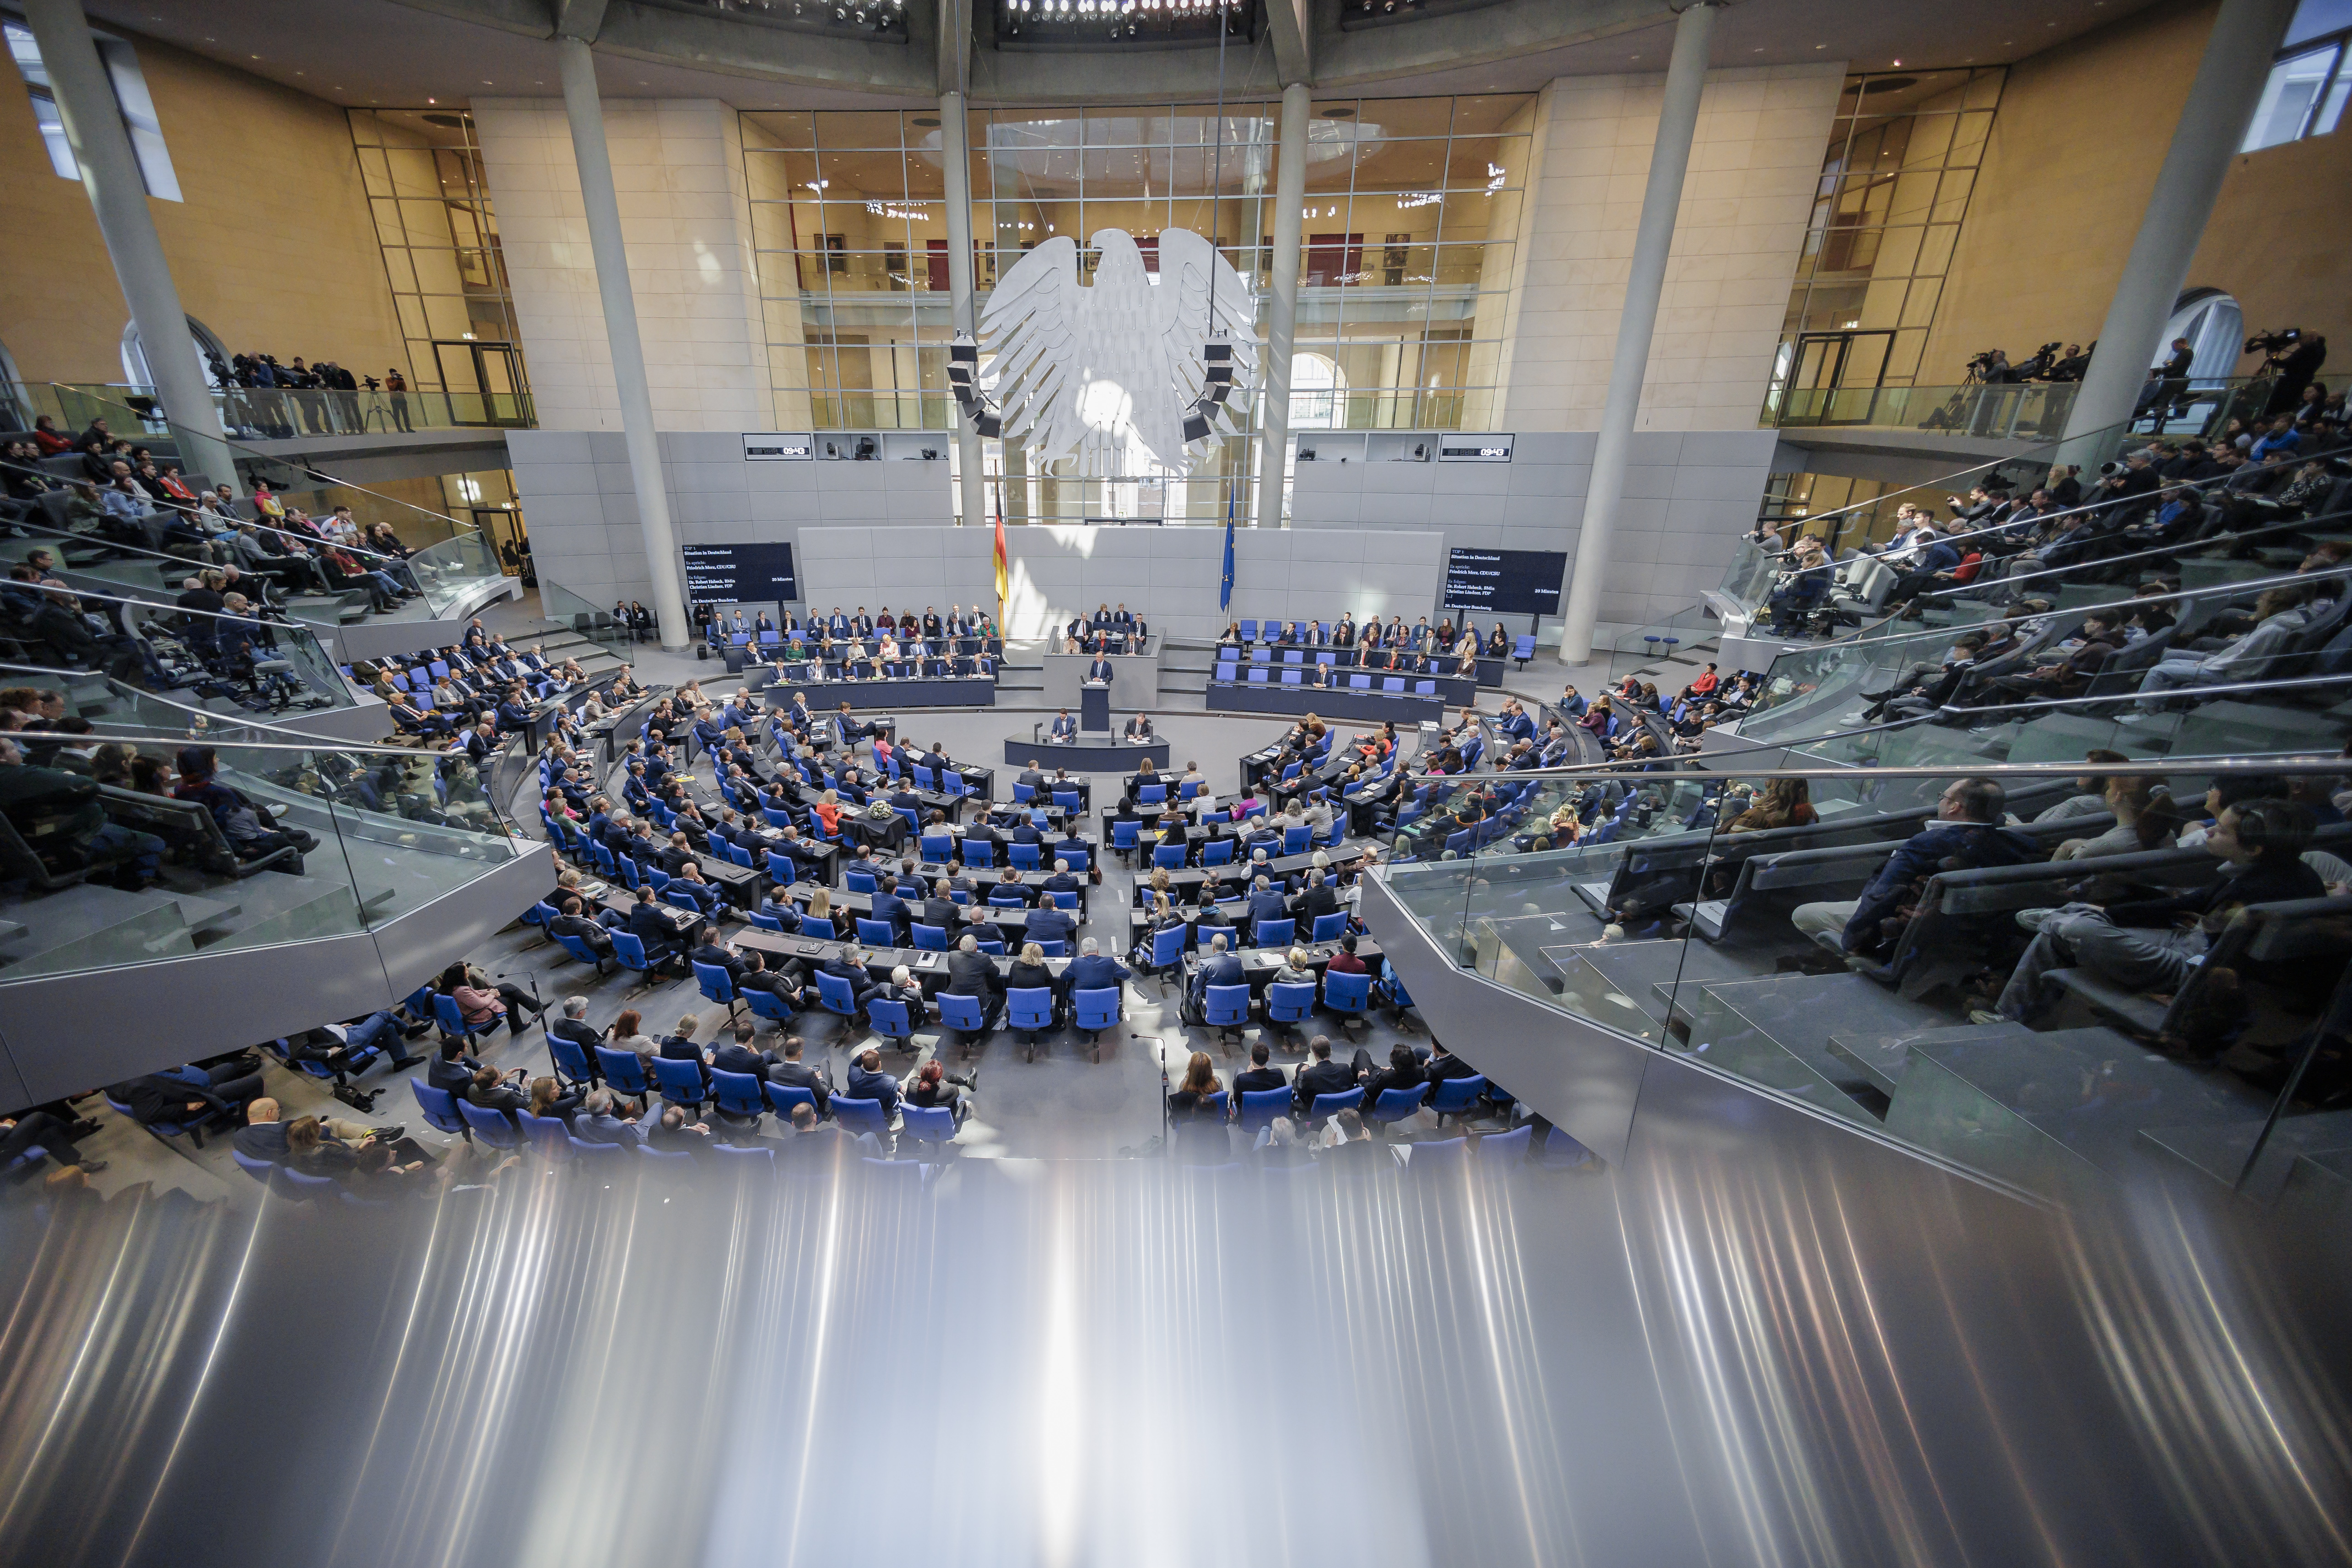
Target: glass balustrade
{"x": 2018, "y": 411}
{"x": 226, "y": 662}
{"x": 2103, "y": 988}
{"x": 114, "y": 851}
{"x": 271, "y": 414}
{"x": 568, "y": 610}
{"x": 449, "y": 562}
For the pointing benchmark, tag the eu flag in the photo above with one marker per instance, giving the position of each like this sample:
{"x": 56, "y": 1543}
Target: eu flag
{"x": 1226, "y": 593}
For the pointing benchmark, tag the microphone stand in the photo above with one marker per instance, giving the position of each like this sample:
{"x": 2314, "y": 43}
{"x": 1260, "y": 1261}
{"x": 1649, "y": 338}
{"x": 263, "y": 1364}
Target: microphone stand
{"x": 545, "y": 1039}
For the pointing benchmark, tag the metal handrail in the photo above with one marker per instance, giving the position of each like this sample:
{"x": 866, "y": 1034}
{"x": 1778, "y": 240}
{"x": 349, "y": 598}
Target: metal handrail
{"x": 233, "y": 522}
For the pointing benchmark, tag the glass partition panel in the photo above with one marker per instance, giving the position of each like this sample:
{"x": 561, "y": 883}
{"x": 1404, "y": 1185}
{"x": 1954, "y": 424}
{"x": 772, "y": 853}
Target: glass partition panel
{"x": 125, "y": 846}
{"x": 2060, "y": 977}
{"x": 568, "y": 610}
{"x": 438, "y": 557}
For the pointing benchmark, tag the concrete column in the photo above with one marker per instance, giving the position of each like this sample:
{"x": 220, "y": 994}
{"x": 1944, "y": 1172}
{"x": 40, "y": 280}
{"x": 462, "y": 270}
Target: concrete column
{"x": 1653, "y": 239}
{"x": 1282, "y": 314}
{"x": 117, "y": 194}
{"x": 585, "y": 108}
{"x": 2222, "y": 100}
{"x": 955, "y": 152}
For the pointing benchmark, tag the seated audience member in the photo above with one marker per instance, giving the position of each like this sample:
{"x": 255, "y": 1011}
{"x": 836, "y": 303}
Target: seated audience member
{"x": 1321, "y": 1075}
{"x": 2149, "y": 945}
{"x": 794, "y": 1073}
{"x": 1258, "y": 1078}
{"x": 868, "y": 1081}
{"x": 1404, "y": 1071}
{"x": 1967, "y": 832}
{"x": 1194, "y": 1100}
{"x": 42, "y": 1131}
{"x": 223, "y": 1095}
{"x": 936, "y": 1089}
{"x": 604, "y": 1118}
{"x": 483, "y": 1002}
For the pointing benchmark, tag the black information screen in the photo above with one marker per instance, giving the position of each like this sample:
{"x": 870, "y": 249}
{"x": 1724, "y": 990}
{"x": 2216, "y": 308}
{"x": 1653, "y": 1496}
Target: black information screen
{"x": 1506, "y": 581}
{"x": 741, "y": 573}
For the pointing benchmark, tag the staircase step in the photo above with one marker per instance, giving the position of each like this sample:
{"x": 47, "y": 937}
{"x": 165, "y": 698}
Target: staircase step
{"x": 2049, "y": 1110}
{"x": 1743, "y": 1022}
{"x": 2220, "y": 1150}
{"x": 1645, "y": 973}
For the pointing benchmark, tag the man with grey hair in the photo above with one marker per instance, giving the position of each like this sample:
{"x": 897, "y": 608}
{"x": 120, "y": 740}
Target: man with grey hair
{"x": 598, "y": 1122}
{"x": 971, "y": 972}
{"x": 1090, "y": 971}
{"x": 573, "y": 1028}
{"x": 1220, "y": 968}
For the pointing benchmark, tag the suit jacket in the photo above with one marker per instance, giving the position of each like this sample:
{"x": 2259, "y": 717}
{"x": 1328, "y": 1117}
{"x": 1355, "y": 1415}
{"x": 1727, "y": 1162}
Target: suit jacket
{"x": 1049, "y": 924}
{"x": 1316, "y": 901}
{"x": 653, "y": 928}
{"x": 604, "y": 1130}
{"x": 1098, "y": 670}
{"x": 1258, "y": 1080}
{"x": 892, "y": 908}
{"x": 1321, "y": 1078}
{"x": 1063, "y": 729}
{"x": 580, "y": 1033}
{"x": 711, "y": 952}
{"x": 1138, "y": 728}
{"x": 881, "y": 1086}
{"x": 972, "y": 974}
{"x": 1268, "y": 906}
{"x": 1092, "y": 972}
{"x": 1219, "y": 969}
{"x": 940, "y": 912}
{"x": 800, "y": 1075}
{"x": 733, "y": 1057}
{"x": 677, "y": 1049}
{"x": 598, "y": 939}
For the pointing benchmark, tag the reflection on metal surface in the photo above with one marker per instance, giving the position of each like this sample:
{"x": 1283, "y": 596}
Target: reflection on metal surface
{"x": 1718, "y": 1352}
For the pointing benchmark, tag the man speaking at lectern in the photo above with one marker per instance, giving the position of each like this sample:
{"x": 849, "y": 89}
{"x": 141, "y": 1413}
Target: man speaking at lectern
{"x": 1100, "y": 670}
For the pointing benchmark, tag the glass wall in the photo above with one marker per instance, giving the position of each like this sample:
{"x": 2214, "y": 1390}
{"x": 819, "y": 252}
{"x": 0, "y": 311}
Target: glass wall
{"x": 440, "y": 239}
{"x": 1895, "y": 180}
{"x": 1402, "y": 296}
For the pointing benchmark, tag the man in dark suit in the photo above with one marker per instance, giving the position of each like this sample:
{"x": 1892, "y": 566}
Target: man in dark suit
{"x": 783, "y": 981}
{"x": 1220, "y": 968}
{"x": 652, "y": 926}
{"x": 573, "y": 1025}
{"x": 573, "y": 922}
{"x": 1063, "y": 729}
{"x": 940, "y": 910}
{"x": 1319, "y": 898}
{"x": 1033, "y": 777}
{"x": 1062, "y": 880}
{"x": 1321, "y": 1075}
{"x": 850, "y": 965}
{"x": 868, "y": 1081}
{"x": 889, "y": 906}
{"x": 737, "y": 1055}
{"x": 1009, "y": 884}
{"x": 1098, "y": 669}
{"x": 1121, "y": 618}
{"x": 720, "y": 955}
{"x": 1138, "y": 729}
{"x": 1265, "y": 903}
{"x": 971, "y": 972}
{"x": 1090, "y": 971}
{"x": 794, "y": 1073}
{"x": 1259, "y": 1077}
{"x": 1049, "y": 923}
{"x": 598, "y": 1122}
{"x": 452, "y": 1069}
{"x": 682, "y": 1048}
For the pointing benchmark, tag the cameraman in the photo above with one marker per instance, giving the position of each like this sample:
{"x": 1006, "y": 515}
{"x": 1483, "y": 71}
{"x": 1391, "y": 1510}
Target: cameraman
{"x": 2071, "y": 365}
{"x": 2295, "y": 367}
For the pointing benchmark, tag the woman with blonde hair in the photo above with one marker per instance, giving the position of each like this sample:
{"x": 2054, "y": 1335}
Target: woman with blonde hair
{"x": 828, "y": 811}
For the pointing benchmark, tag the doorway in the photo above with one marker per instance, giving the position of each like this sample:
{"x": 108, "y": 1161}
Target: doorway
{"x": 1833, "y": 377}
{"x": 483, "y": 382}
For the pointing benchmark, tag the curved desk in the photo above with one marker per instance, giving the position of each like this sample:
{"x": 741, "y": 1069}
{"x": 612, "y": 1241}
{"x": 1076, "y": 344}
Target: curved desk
{"x": 1087, "y": 753}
